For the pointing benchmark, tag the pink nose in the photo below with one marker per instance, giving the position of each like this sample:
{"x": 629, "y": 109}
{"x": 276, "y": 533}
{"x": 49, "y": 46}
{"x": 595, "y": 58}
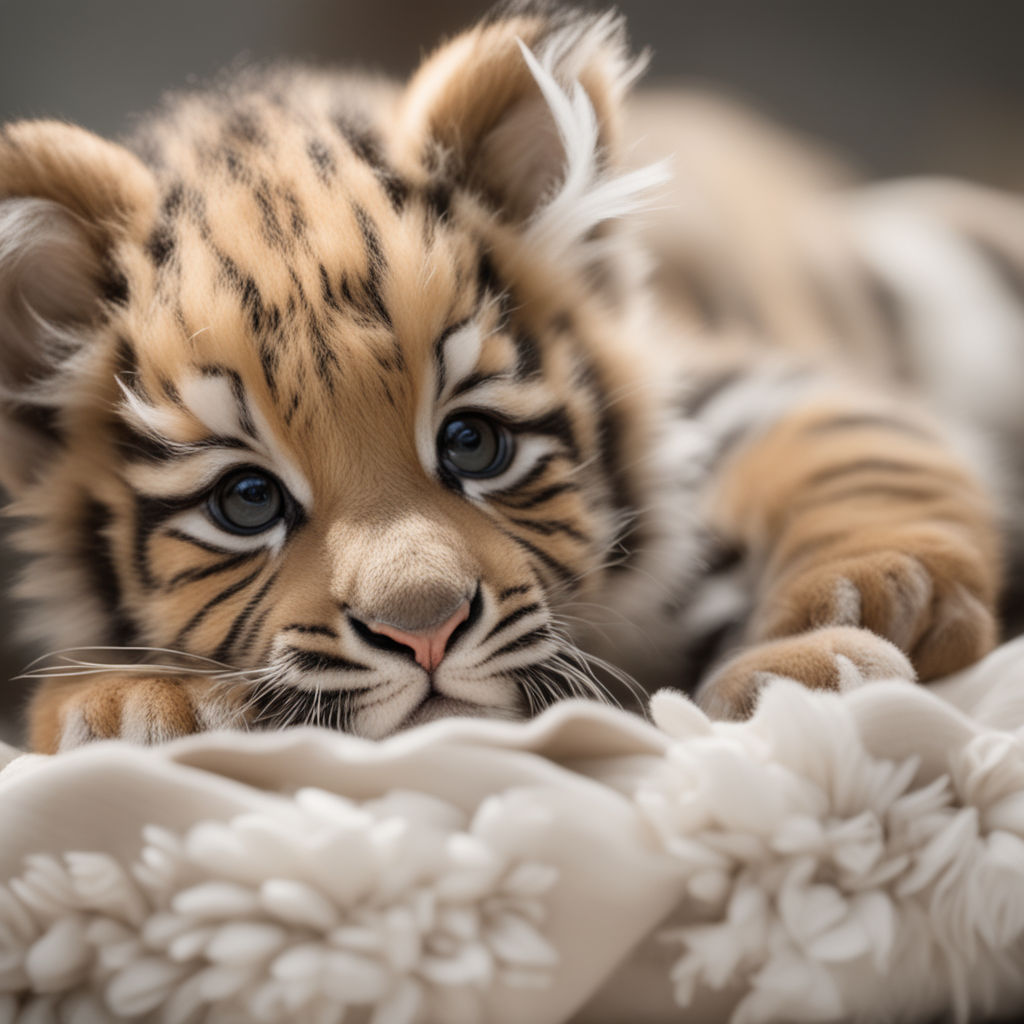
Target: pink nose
{"x": 428, "y": 645}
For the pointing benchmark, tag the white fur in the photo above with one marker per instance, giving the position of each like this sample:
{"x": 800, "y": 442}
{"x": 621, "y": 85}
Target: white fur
{"x": 846, "y": 603}
{"x": 461, "y": 351}
{"x": 964, "y": 325}
{"x": 212, "y": 402}
{"x": 585, "y": 198}
{"x": 160, "y": 422}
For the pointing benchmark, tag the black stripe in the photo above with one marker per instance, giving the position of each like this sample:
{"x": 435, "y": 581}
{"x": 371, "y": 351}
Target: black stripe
{"x": 244, "y": 125}
{"x": 561, "y": 571}
{"x": 376, "y": 264}
{"x": 512, "y": 617}
{"x": 255, "y": 626}
{"x": 526, "y": 640}
{"x": 474, "y": 380}
{"x": 611, "y": 435}
{"x": 326, "y": 290}
{"x": 361, "y": 140}
{"x": 97, "y": 559}
{"x": 366, "y": 145}
{"x": 161, "y": 244}
{"x": 205, "y": 571}
{"x": 224, "y": 595}
{"x": 549, "y": 527}
{"x": 236, "y": 627}
{"x": 297, "y": 220}
{"x": 528, "y": 355}
{"x": 540, "y": 498}
{"x": 508, "y": 592}
{"x": 299, "y": 627}
{"x": 203, "y": 545}
{"x": 319, "y": 661}
{"x": 538, "y": 470}
{"x": 272, "y": 231}
{"x": 488, "y": 283}
{"x": 555, "y": 423}
{"x": 322, "y": 159}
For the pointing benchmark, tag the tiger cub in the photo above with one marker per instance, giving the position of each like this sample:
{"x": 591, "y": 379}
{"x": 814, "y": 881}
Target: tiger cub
{"x": 330, "y": 400}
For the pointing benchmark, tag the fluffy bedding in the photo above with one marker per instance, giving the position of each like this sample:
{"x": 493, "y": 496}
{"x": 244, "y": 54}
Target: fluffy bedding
{"x": 854, "y": 856}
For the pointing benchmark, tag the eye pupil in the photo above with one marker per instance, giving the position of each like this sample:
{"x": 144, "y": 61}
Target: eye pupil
{"x": 253, "y": 490}
{"x": 464, "y": 438}
{"x": 473, "y": 445}
{"x": 247, "y": 501}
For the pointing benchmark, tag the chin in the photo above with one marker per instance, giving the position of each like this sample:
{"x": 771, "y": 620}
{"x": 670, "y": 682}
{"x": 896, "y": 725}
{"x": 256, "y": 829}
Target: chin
{"x": 437, "y": 706}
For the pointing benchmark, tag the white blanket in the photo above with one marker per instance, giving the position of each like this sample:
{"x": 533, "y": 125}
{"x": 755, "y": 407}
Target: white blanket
{"x": 856, "y": 857}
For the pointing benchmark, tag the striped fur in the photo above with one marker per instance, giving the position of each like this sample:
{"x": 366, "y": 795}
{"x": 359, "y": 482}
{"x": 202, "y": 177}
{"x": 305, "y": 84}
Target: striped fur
{"x": 307, "y": 274}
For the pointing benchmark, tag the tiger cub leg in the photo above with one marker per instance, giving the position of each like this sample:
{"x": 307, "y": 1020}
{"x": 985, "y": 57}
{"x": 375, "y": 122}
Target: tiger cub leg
{"x": 66, "y": 713}
{"x": 876, "y": 553}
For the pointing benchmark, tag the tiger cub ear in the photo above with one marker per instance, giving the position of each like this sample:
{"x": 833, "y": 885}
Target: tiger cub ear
{"x": 68, "y": 200}
{"x": 526, "y": 111}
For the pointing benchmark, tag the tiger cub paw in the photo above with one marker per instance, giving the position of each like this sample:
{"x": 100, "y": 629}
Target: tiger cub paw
{"x": 144, "y": 710}
{"x": 924, "y": 605}
{"x": 835, "y": 658}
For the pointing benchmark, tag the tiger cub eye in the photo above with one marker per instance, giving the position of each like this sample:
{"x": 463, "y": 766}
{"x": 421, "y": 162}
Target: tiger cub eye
{"x": 473, "y": 445}
{"x": 247, "y": 501}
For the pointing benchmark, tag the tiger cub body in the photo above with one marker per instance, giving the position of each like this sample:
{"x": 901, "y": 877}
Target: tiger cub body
{"x": 342, "y": 402}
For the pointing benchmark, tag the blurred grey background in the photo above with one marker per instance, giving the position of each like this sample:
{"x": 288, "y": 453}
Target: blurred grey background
{"x": 898, "y": 86}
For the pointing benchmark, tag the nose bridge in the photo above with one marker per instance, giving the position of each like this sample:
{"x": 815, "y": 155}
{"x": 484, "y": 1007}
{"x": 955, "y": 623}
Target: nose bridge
{"x": 414, "y": 573}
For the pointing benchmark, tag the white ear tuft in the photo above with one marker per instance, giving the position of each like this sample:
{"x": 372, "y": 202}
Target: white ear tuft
{"x": 587, "y": 196}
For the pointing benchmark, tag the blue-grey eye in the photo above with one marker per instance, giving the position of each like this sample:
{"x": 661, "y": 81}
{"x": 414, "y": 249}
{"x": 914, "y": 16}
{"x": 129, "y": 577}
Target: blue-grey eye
{"x": 247, "y": 501}
{"x": 473, "y": 445}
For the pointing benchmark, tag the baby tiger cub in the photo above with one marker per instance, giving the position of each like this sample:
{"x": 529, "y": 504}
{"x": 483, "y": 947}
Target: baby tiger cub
{"x": 331, "y": 400}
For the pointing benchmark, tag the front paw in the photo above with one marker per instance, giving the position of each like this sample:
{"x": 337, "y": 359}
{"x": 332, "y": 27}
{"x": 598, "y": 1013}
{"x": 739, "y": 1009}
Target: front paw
{"x": 927, "y": 605}
{"x": 837, "y": 658}
{"x": 142, "y": 710}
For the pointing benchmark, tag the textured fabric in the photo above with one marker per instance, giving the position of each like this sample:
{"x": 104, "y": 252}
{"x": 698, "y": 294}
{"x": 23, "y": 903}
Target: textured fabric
{"x": 857, "y": 856}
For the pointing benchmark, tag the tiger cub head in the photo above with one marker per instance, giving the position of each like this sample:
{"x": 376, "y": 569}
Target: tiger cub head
{"x": 329, "y": 380}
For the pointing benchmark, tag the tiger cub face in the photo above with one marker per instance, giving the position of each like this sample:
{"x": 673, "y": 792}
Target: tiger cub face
{"x": 328, "y": 384}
